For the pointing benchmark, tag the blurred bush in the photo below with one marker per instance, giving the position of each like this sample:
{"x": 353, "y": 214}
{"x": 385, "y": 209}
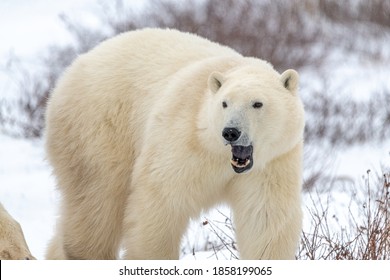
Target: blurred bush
{"x": 298, "y": 34}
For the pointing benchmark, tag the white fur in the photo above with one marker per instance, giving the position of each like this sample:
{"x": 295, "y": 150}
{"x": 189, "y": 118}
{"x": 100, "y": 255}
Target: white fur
{"x": 134, "y": 137}
{"x": 13, "y": 246}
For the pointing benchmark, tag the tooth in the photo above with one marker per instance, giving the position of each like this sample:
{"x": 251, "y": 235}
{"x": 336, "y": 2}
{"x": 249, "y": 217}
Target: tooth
{"x": 236, "y": 164}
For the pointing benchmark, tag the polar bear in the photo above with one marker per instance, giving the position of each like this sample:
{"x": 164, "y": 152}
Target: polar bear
{"x": 13, "y": 246}
{"x": 153, "y": 126}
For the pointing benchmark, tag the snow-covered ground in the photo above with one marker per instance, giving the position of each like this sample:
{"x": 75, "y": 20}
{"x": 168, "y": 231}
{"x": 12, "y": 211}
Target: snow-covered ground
{"x": 27, "y": 188}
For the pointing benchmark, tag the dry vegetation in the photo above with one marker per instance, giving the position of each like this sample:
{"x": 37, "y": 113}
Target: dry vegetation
{"x": 299, "y": 34}
{"x": 363, "y": 235}
{"x": 344, "y": 121}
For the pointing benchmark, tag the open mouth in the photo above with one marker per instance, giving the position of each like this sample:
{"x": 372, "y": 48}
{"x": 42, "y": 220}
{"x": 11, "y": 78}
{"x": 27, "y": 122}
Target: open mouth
{"x": 242, "y": 158}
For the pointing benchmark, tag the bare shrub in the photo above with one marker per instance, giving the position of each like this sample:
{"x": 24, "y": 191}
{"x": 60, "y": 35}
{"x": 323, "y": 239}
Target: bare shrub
{"x": 278, "y": 31}
{"x": 366, "y": 236}
{"x": 374, "y": 11}
{"x": 342, "y": 121}
{"x": 289, "y": 34}
{"x": 217, "y": 236}
{"x": 25, "y": 116}
{"x": 368, "y": 23}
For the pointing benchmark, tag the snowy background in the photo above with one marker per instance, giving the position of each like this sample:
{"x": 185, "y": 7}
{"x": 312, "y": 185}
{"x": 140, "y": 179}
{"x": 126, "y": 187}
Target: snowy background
{"x": 27, "y": 189}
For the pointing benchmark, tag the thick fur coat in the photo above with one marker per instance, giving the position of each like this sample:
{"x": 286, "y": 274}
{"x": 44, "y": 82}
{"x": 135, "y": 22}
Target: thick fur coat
{"x": 152, "y": 127}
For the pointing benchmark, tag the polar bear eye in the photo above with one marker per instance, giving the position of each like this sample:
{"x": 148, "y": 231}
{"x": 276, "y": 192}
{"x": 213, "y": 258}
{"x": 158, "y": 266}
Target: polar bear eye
{"x": 224, "y": 104}
{"x": 257, "y": 105}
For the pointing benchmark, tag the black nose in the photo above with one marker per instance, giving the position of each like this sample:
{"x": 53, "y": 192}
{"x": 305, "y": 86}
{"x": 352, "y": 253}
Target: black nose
{"x": 231, "y": 134}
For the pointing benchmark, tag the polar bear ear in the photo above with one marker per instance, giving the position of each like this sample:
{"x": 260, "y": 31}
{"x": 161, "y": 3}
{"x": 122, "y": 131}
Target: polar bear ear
{"x": 215, "y": 81}
{"x": 290, "y": 80}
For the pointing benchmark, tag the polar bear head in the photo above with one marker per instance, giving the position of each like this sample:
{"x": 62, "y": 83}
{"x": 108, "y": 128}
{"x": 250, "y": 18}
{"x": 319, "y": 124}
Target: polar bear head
{"x": 256, "y": 111}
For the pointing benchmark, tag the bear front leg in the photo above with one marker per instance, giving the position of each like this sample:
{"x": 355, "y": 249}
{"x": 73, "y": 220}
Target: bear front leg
{"x": 153, "y": 227}
{"x": 267, "y": 210}
{"x": 267, "y": 233}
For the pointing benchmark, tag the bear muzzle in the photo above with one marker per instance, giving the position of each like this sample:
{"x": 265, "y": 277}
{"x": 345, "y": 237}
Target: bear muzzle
{"x": 242, "y": 158}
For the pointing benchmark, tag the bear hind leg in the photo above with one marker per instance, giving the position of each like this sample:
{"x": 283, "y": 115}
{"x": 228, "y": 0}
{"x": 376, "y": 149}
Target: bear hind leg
{"x": 90, "y": 225}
